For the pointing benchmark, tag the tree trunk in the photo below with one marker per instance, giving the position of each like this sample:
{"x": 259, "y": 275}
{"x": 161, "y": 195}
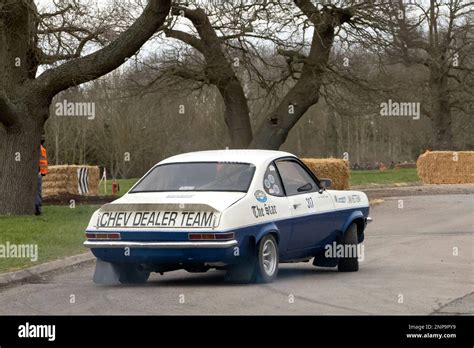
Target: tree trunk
{"x": 441, "y": 119}
{"x": 219, "y": 72}
{"x": 19, "y": 150}
{"x": 22, "y": 115}
{"x": 272, "y": 133}
{"x": 442, "y": 134}
{"x": 237, "y": 114}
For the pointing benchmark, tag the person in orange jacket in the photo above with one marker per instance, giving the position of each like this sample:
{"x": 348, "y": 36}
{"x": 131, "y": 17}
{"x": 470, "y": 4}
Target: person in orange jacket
{"x": 42, "y": 171}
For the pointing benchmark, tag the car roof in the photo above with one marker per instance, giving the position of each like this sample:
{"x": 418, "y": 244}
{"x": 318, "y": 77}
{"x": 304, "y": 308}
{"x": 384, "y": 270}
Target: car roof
{"x": 245, "y": 156}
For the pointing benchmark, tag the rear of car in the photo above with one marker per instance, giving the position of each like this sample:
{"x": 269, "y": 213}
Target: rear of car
{"x": 171, "y": 219}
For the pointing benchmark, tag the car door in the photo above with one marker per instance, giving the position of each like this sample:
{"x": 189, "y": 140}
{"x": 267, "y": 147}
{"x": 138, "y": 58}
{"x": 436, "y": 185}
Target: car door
{"x": 312, "y": 208}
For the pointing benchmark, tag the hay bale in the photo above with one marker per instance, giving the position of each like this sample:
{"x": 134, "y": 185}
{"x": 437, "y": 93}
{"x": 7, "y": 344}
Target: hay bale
{"x": 57, "y": 177}
{"x": 330, "y": 168}
{"x": 446, "y": 167}
{"x": 63, "y": 180}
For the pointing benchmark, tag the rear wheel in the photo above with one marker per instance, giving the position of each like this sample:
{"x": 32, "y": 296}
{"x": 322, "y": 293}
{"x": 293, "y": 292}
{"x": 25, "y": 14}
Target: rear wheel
{"x": 130, "y": 274}
{"x": 261, "y": 266}
{"x": 266, "y": 268}
{"x": 346, "y": 263}
{"x": 242, "y": 273}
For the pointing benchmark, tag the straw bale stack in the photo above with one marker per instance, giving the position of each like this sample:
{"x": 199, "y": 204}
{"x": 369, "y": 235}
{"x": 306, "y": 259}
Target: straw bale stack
{"x": 330, "y": 168}
{"x": 446, "y": 167}
{"x": 63, "y": 180}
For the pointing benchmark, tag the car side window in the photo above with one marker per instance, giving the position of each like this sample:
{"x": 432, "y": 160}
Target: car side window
{"x": 296, "y": 179}
{"x": 272, "y": 182}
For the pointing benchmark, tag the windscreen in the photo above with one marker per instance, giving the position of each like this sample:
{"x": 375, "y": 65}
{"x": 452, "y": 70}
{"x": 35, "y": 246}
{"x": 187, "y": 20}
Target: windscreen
{"x": 198, "y": 176}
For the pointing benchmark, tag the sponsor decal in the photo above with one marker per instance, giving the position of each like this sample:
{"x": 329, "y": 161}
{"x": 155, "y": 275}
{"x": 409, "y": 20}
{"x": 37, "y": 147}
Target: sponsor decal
{"x": 261, "y": 196}
{"x": 351, "y": 199}
{"x": 271, "y": 178}
{"x": 265, "y": 210}
{"x": 180, "y": 196}
{"x": 267, "y": 183}
{"x": 156, "y": 219}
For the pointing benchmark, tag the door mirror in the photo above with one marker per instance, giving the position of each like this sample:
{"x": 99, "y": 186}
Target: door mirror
{"x": 305, "y": 188}
{"x": 325, "y": 183}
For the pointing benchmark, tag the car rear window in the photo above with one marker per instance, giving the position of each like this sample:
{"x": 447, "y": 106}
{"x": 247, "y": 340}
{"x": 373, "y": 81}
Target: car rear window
{"x": 198, "y": 176}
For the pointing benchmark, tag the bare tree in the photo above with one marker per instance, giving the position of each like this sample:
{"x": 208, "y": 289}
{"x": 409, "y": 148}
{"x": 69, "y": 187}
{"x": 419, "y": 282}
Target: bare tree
{"x": 218, "y": 71}
{"x": 305, "y": 93}
{"x": 306, "y": 64}
{"x": 437, "y": 37}
{"x": 25, "y": 97}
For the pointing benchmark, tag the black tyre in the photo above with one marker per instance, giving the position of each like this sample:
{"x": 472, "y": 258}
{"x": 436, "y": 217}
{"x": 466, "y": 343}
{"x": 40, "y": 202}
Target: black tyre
{"x": 130, "y": 274}
{"x": 349, "y": 264}
{"x": 322, "y": 260}
{"x": 243, "y": 273}
{"x": 266, "y": 268}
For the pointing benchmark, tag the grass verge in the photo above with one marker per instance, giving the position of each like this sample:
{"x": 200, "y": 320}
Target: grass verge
{"x": 58, "y": 233}
{"x": 390, "y": 176}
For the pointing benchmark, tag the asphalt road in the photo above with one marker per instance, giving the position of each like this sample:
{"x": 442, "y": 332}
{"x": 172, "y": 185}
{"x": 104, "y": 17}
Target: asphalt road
{"x": 410, "y": 267}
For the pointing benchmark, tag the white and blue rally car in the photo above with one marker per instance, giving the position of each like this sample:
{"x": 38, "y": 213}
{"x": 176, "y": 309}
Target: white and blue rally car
{"x": 243, "y": 211}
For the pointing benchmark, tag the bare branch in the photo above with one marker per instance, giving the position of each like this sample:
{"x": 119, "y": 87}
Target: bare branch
{"x": 90, "y": 67}
{"x": 186, "y": 38}
{"x": 50, "y": 59}
{"x": 188, "y": 74}
{"x": 57, "y": 13}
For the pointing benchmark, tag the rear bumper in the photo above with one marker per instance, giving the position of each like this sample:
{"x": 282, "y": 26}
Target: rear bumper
{"x": 160, "y": 245}
{"x": 156, "y": 253}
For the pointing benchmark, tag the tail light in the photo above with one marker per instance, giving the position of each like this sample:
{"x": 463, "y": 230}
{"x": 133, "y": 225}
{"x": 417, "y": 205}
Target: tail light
{"x": 211, "y": 236}
{"x": 103, "y": 236}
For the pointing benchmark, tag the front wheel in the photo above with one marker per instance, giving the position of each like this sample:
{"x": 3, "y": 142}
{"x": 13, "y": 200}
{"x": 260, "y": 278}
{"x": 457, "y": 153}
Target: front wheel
{"x": 349, "y": 263}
